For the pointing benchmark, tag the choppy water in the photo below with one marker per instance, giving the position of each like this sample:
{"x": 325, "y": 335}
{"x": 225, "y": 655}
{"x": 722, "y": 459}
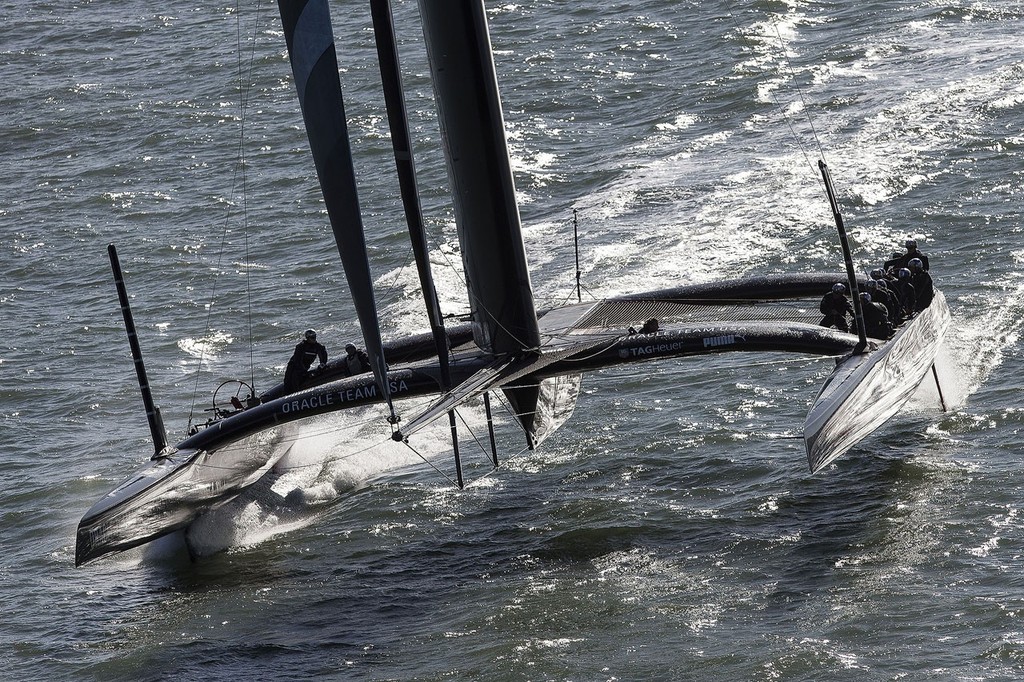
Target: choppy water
{"x": 669, "y": 530}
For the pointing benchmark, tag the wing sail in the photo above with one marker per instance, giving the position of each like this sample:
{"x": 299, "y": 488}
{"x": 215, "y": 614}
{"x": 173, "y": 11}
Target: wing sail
{"x": 483, "y": 193}
{"x": 310, "y": 38}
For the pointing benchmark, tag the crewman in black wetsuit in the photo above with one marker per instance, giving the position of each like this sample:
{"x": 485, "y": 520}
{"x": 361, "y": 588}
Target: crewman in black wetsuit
{"x": 356, "y": 361}
{"x": 922, "y": 282}
{"x": 905, "y": 294}
{"x": 651, "y": 326}
{"x": 902, "y": 260}
{"x": 835, "y": 307}
{"x": 306, "y": 351}
{"x": 876, "y": 318}
{"x": 880, "y": 293}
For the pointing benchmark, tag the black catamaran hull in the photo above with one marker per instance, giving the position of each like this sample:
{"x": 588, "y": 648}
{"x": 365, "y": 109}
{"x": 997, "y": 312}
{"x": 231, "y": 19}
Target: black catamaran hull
{"x": 514, "y": 350}
{"x": 213, "y": 466}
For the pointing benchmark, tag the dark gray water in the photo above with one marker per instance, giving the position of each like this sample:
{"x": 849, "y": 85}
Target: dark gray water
{"x": 669, "y": 531}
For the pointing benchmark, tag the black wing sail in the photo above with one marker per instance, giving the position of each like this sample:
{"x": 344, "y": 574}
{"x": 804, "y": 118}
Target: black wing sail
{"x": 486, "y": 212}
{"x": 310, "y": 38}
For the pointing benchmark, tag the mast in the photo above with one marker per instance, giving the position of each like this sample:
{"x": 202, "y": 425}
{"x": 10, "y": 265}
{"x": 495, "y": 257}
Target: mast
{"x": 308, "y": 32}
{"x": 483, "y": 192}
{"x": 851, "y": 275}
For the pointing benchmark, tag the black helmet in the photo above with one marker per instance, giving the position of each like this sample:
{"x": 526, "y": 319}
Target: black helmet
{"x": 877, "y": 273}
{"x": 865, "y": 296}
{"x": 310, "y": 335}
{"x": 350, "y": 348}
{"x": 881, "y": 284}
{"x": 911, "y": 244}
{"x": 916, "y": 264}
{"x": 871, "y": 284}
{"x": 904, "y": 273}
{"x": 838, "y": 288}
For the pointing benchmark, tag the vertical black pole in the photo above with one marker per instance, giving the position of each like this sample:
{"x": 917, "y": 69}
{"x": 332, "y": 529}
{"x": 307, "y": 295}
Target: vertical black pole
{"x": 938, "y": 386}
{"x": 490, "y": 428}
{"x": 455, "y": 447}
{"x": 398, "y": 122}
{"x": 394, "y": 100}
{"x": 858, "y": 309}
{"x": 576, "y": 243}
{"x": 156, "y": 427}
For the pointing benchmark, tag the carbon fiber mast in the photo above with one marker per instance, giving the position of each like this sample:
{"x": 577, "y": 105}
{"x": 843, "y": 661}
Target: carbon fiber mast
{"x": 156, "y": 424}
{"x": 310, "y": 38}
{"x": 858, "y": 309}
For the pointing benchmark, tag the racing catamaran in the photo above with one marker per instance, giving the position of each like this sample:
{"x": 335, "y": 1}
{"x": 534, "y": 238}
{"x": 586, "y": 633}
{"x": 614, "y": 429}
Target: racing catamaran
{"x": 508, "y": 344}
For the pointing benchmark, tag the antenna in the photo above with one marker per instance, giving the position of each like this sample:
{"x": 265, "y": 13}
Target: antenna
{"x": 576, "y": 243}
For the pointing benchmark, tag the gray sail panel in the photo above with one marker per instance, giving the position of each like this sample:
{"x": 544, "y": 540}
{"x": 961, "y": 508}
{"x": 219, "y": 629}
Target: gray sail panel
{"x": 486, "y": 213}
{"x": 310, "y": 38}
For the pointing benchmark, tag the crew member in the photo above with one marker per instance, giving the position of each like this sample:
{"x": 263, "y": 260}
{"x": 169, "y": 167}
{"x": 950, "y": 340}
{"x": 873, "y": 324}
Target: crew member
{"x": 876, "y": 319}
{"x": 306, "y": 351}
{"x": 835, "y": 307}
{"x": 356, "y": 361}
{"x": 649, "y": 327}
{"x": 880, "y": 293}
{"x": 902, "y": 260}
{"x": 922, "y": 282}
{"x": 906, "y": 294}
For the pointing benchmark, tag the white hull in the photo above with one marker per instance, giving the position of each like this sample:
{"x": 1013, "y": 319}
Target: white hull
{"x": 866, "y": 390}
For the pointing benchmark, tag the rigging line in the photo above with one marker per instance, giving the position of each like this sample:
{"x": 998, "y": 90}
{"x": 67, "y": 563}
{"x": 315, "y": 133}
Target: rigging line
{"x": 800, "y": 94}
{"x": 503, "y": 464}
{"x": 470, "y": 293}
{"x": 472, "y": 433}
{"x": 397, "y": 278}
{"x": 451, "y": 266}
{"x": 224, "y": 233}
{"x": 590, "y": 292}
{"x": 564, "y": 300}
{"x": 505, "y": 405}
{"x": 209, "y": 311}
{"x": 429, "y": 463}
{"x": 243, "y": 102}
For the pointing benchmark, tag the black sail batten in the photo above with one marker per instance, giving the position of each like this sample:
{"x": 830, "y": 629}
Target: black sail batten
{"x": 851, "y": 275}
{"x": 310, "y": 38}
{"x": 483, "y": 192}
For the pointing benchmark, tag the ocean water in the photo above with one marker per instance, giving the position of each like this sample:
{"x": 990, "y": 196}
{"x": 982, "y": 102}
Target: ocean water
{"x": 670, "y": 530}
